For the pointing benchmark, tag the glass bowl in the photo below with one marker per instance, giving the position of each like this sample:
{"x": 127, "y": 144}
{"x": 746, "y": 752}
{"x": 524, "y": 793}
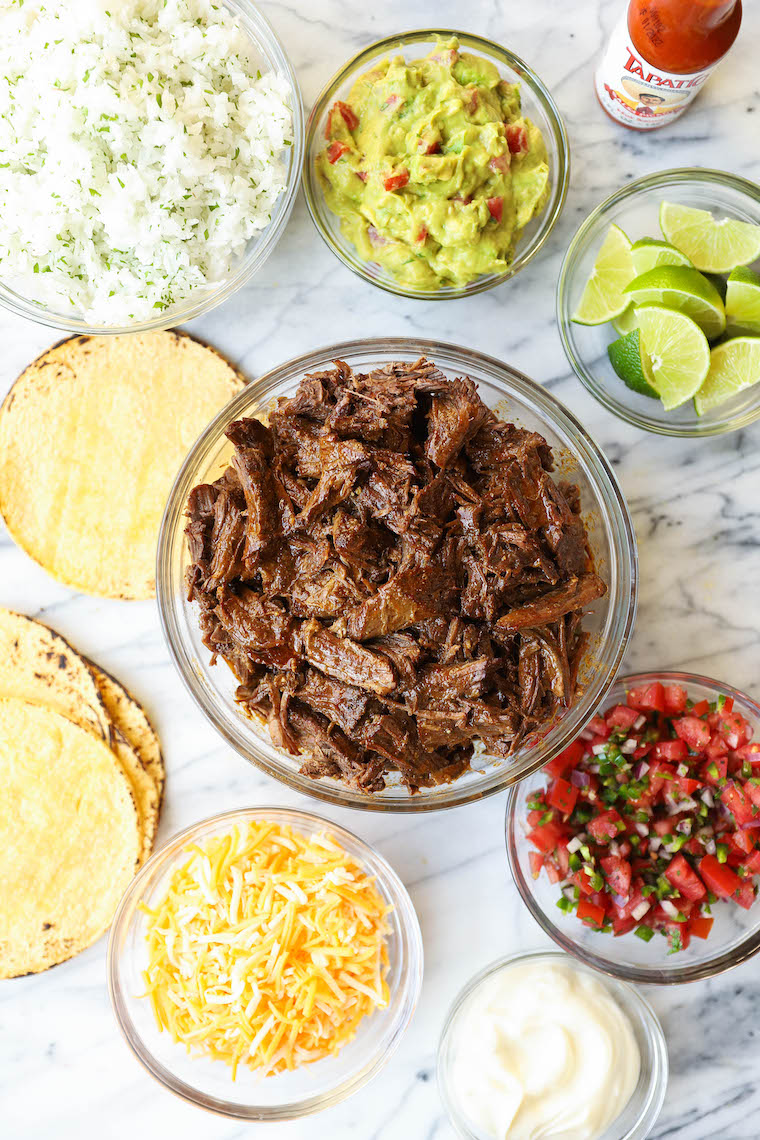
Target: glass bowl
{"x": 735, "y": 935}
{"x": 638, "y": 1117}
{"x": 273, "y": 58}
{"x": 634, "y": 208}
{"x": 537, "y": 105}
{"x": 578, "y": 459}
{"x": 207, "y": 1083}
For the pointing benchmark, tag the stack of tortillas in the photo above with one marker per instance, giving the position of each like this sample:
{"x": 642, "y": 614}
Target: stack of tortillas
{"x": 92, "y": 436}
{"x": 82, "y": 778}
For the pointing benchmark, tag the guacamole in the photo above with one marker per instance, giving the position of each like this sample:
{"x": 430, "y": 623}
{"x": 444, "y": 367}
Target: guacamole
{"x": 432, "y": 169}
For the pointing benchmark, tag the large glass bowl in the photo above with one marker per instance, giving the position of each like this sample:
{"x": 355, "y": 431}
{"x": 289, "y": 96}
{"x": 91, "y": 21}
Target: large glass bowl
{"x": 207, "y": 1083}
{"x": 538, "y": 106}
{"x": 578, "y": 459}
{"x": 637, "y": 1119}
{"x": 634, "y": 208}
{"x": 273, "y": 59}
{"x": 735, "y": 935}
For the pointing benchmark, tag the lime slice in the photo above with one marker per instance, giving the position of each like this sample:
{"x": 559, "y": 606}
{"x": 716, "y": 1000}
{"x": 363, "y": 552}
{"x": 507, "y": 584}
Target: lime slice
{"x": 626, "y": 358}
{"x": 603, "y": 295}
{"x": 682, "y": 288}
{"x": 743, "y": 302}
{"x": 717, "y": 246}
{"x": 649, "y": 252}
{"x": 734, "y": 366}
{"x": 678, "y": 351}
{"x": 626, "y": 322}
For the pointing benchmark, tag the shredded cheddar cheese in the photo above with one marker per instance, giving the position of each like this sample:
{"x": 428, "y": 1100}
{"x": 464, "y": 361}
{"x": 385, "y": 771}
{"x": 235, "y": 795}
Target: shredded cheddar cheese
{"x": 267, "y": 949}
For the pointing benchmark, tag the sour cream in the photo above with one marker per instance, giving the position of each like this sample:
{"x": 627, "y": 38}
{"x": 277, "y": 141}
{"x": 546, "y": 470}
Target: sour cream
{"x": 541, "y": 1051}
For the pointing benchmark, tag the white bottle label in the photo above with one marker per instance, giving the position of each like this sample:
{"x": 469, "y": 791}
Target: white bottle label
{"x": 638, "y": 94}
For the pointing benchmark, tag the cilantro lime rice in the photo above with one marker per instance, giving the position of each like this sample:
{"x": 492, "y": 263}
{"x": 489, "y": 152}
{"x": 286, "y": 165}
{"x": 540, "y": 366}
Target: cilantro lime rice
{"x": 140, "y": 149}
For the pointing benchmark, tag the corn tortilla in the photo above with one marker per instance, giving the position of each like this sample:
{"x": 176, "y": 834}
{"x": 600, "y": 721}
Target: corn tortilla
{"x": 92, "y": 435}
{"x": 132, "y": 722}
{"x": 38, "y": 665}
{"x": 69, "y": 834}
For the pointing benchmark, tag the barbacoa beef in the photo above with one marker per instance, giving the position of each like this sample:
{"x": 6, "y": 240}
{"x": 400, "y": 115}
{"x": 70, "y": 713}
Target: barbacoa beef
{"x": 393, "y": 576}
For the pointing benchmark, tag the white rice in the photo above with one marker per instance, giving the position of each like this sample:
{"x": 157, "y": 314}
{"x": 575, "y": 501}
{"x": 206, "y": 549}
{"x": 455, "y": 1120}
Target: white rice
{"x": 140, "y": 149}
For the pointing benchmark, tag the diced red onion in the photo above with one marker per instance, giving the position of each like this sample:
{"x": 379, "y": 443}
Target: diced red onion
{"x": 628, "y": 746}
{"x": 587, "y": 734}
{"x": 574, "y": 845}
{"x": 655, "y": 843}
{"x": 594, "y": 768}
{"x": 732, "y": 740}
{"x": 375, "y": 236}
{"x": 682, "y": 769}
{"x": 614, "y": 847}
{"x": 640, "y": 769}
{"x": 620, "y": 900}
{"x": 684, "y": 826}
{"x": 642, "y": 829}
{"x": 598, "y": 749}
{"x": 670, "y": 908}
{"x": 755, "y": 823}
{"x": 579, "y": 779}
{"x": 686, "y": 804}
{"x": 710, "y": 847}
{"x": 639, "y": 911}
{"x": 639, "y": 722}
{"x": 706, "y": 797}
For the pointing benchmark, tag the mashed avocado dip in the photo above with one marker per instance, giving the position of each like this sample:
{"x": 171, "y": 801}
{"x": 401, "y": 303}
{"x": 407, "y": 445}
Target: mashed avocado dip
{"x": 432, "y": 169}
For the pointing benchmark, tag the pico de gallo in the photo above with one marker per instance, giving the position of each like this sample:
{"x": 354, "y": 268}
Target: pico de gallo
{"x": 652, "y": 816}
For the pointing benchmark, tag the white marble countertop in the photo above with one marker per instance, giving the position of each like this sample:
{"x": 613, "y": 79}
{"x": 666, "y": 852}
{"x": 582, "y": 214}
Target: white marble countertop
{"x": 64, "y": 1070}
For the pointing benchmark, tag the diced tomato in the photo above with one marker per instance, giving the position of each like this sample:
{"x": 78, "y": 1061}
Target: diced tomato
{"x": 618, "y": 874}
{"x": 753, "y": 791}
{"x": 742, "y": 841}
{"x": 716, "y": 747}
{"x": 392, "y": 103}
{"x": 647, "y": 697}
{"x": 546, "y": 837}
{"x": 734, "y": 729}
{"x": 552, "y": 873}
{"x": 499, "y": 163}
{"x": 752, "y": 863}
{"x": 569, "y": 758}
{"x": 664, "y": 826}
{"x": 686, "y": 881}
{"x": 693, "y": 731}
{"x": 495, "y": 208}
{"x": 517, "y": 138}
{"x": 661, "y": 775}
{"x": 750, "y": 752}
{"x": 622, "y": 925}
{"x": 336, "y": 150}
{"x": 422, "y": 235}
{"x": 582, "y": 882}
{"x": 589, "y": 913}
{"x": 642, "y": 750}
{"x": 718, "y": 878}
{"x": 701, "y": 926}
{"x": 673, "y": 750}
{"x": 562, "y": 796}
{"x": 347, "y": 114}
{"x": 599, "y": 727}
{"x": 536, "y": 861}
{"x": 606, "y": 826}
{"x": 563, "y": 858}
{"x": 715, "y": 770}
{"x": 700, "y": 708}
{"x": 688, "y": 785}
{"x": 676, "y": 699}
{"x": 534, "y": 816}
{"x": 745, "y": 896}
{"x": 622, "y": 717}
{"x": 678, "y": 935}
{"x": 738, "y": 803}
{"x": 396, "y": 181}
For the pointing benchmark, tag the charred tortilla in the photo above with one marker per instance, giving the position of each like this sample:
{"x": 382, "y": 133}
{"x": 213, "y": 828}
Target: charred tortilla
{"x": 69, "y": 834}
{"x": 92, "y": 435}
{"x": 132, "y": 722}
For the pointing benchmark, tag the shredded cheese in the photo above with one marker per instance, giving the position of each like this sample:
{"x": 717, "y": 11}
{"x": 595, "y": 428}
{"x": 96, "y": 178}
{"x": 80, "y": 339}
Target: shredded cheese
{"x": 268, "y": 949}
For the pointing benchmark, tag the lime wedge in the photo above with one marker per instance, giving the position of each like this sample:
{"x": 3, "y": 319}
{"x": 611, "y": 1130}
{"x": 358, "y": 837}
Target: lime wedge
{"x": 743, "y": 302}
{"x": 734, "y": 366}
{"x": 678, "y": 352}
{"x": 717, "y": 246}
{"x": 603, "y": 295}
{"x": 626, "y": 358}
{"x": 626, "y": 322}
{"x": 649, "y": 252}
{"x": 682, "y": 288}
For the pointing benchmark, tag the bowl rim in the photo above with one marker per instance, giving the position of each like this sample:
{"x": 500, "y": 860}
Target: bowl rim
{"x": 412, "y": 964}
{"x": 609, "y": 497}
{"x": 656, "y": 1062}
{"x": 598, "y": 390}
{"x": 560, "y": 177}
{"x": 651, "y": 975}
{"x": 266, "y": 239}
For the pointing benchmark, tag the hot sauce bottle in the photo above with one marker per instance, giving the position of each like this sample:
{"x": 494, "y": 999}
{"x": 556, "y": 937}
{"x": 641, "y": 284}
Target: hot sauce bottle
{"x": 660, "y": 55}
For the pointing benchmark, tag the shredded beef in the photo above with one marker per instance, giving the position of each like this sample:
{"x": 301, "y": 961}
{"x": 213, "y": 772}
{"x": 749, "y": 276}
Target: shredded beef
{"x": 393, "y": 576}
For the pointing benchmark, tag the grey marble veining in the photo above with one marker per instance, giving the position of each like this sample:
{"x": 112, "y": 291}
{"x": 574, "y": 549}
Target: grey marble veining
{"x": 64, "y": 1070}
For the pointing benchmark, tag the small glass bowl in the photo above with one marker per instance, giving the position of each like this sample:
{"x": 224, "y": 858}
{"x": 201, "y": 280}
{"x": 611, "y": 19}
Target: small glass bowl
{"x": 735, "y": 935}
{"x": 639, "y": 1115}
{"x": 635, "y": 208}
{"x": 538, "y": 106}
{"x": 273, "y": 59}
{"x": 207, "y": 1083}
{"x": 577, "y": 458}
